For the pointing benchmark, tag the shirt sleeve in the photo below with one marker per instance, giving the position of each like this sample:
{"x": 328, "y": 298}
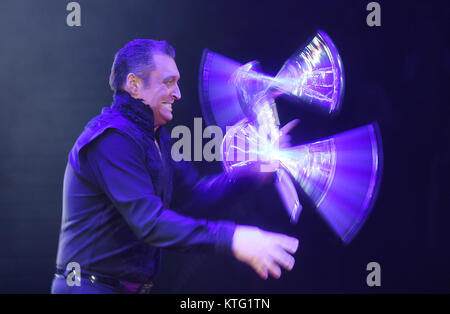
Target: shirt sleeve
{"x": 118, "y": 165}
{"x": 204, "y": 196}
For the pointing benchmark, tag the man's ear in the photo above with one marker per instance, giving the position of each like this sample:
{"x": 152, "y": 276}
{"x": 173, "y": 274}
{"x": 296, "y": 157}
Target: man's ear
{"x": 133, "y": 85}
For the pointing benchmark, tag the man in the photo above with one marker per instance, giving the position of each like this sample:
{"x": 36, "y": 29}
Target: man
{"x": 118, "y": 186}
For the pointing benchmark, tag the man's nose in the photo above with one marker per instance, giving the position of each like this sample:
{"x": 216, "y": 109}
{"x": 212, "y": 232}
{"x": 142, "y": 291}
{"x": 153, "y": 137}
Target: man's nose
{"x": 176, "y": 92}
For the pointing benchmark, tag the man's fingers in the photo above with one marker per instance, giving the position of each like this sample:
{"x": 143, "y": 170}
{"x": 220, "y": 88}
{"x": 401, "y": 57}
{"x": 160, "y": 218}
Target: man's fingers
{"x": 288, "y": 243}
{"x": 285, "y": 141}
{"x": 262, "y": 272}
{"x": 283, "y": 259}
{"x": 289, "y": 126}
{"x": 270, "y": 264}
{"x": 274, "y": 269}
{"x": 266, "y": 252}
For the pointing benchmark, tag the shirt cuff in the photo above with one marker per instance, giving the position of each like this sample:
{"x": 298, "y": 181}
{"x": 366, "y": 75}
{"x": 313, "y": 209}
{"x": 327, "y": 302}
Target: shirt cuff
{"x": 225, "y": 232}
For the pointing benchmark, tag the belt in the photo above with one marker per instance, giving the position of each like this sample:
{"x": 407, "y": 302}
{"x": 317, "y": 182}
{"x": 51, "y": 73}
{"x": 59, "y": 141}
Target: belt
{"x": 125, "y": 286}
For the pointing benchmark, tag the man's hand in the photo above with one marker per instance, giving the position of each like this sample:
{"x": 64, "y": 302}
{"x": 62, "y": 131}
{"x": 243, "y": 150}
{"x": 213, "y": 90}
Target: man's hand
{"x": 284, "y": 141}
{"x": 264, "y": 251}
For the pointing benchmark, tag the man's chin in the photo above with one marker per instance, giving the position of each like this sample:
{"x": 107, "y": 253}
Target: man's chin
{"x": 166, "y": 119}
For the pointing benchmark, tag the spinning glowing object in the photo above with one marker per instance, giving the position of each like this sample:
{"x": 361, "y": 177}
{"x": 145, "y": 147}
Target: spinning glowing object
{"x": 314, "y": 75}
{"x": 340, "y": 174}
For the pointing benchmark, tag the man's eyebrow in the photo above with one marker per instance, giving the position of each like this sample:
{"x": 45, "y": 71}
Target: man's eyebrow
{"x": 170, "y": 77}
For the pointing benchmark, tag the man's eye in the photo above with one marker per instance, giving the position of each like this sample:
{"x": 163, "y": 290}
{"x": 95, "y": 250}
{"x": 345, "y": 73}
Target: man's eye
{"x": 170, "y": 82}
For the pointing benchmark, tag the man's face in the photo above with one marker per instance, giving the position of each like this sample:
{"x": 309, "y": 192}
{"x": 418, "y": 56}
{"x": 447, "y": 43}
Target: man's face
{"x": 162, "y": 90}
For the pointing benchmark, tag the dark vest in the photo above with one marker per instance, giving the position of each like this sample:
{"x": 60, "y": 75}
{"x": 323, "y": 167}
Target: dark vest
{"x": 160, "y": 169}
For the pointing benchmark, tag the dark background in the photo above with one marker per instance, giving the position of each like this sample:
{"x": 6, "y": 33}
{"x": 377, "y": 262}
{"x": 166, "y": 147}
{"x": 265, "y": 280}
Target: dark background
{"x": 54, "y": 78}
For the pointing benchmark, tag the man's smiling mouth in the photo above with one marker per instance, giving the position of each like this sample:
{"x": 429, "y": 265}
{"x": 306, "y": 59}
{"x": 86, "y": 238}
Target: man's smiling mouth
{"x": 167, "y": 105}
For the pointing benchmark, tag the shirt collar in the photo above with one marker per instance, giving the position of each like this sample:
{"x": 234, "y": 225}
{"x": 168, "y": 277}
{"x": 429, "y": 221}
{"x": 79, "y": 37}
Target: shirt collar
{"x": 136, "y": 111}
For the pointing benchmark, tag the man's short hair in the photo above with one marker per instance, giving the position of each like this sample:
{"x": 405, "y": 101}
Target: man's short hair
{"x": 137, "y": 57}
